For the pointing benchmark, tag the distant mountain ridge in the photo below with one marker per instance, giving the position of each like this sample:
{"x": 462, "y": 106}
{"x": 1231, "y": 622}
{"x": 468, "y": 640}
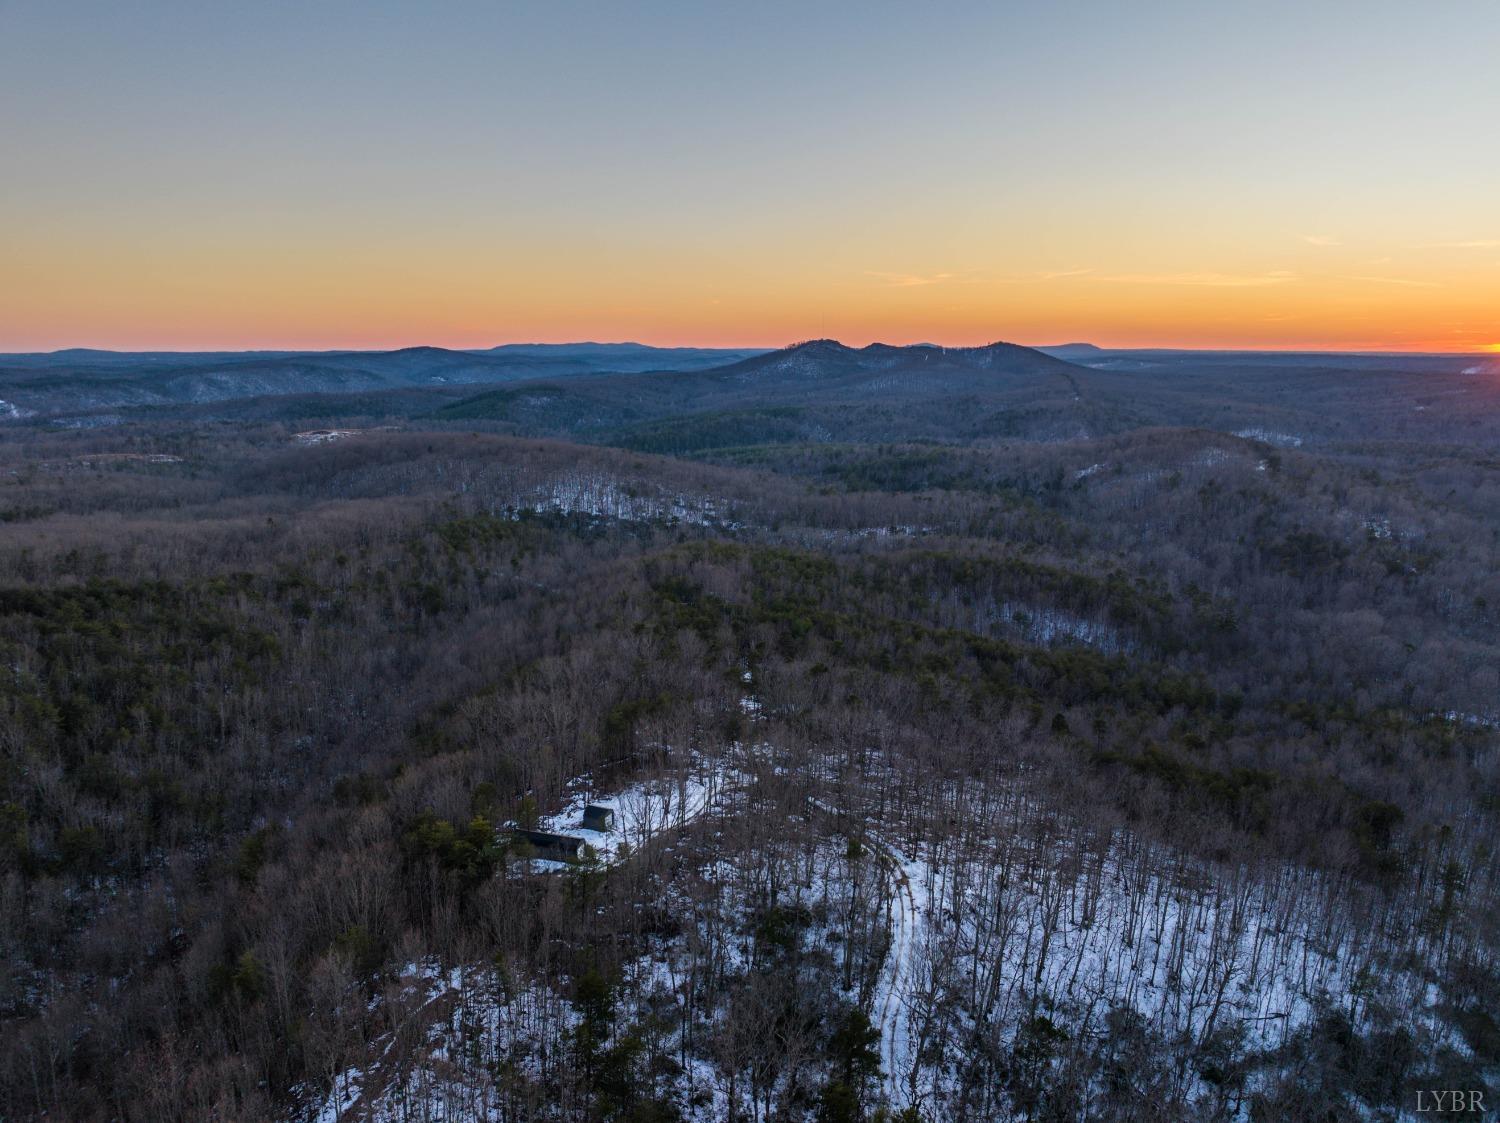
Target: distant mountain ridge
{"x": 629, "y": 356}
{"x": 671, "y": 357}
{"x": 86, "y": 379}
{"x": 693, "y": 401}
{"x": 1071, "y": 350}
{"x": 817, "y": 390}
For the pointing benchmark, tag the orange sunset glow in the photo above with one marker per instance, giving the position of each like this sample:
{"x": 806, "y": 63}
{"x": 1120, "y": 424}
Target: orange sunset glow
{"x": 484, "y": 176}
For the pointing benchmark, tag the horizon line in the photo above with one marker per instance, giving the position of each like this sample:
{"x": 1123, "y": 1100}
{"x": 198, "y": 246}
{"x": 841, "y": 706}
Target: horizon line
{"x": 1479, "y": 350}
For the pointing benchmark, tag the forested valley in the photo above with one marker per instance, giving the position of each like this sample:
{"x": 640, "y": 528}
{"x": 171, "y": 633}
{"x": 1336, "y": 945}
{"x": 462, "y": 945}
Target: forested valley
{"x": 986, "y": 737}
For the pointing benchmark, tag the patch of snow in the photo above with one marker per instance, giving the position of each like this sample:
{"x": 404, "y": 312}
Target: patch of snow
{"x": 908, "y": 905}
{"x": 985, "y": 930}
{"x": 469, "y": 1011}
{"x": 605, "y": 497}
{"x": 98, "y": 421}
{"x": 643, "y": 811}
{"x": 905, "y": 530}
{"x": 1186, "y": 951}
{"x": 1050, "y": 626}
{"x": 1270, "y": 437}
{"x": 127, "y": 457}
{"x": 324, "y": 436}
{"x": 1479, "y": 721}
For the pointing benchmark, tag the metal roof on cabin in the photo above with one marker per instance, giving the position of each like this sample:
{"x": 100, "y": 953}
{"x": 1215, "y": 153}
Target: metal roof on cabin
{"x": 545, "y": 838}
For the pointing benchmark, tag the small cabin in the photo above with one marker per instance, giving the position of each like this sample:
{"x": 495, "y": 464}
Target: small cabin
{"x": 558, "y": 847}
{"x": 598, "y": 818}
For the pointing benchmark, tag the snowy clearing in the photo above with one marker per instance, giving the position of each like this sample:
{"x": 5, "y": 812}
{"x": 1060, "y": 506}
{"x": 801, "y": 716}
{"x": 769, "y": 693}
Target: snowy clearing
{"x": 1267, "y": 436}
{"x": 324, "y": 436}
{"x": 643, "y": 811}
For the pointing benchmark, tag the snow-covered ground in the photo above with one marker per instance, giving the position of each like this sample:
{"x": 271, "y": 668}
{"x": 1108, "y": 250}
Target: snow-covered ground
{"x": 128, "y": 457}
{"x": 466, "y": 1011}
{"x": 9, "y": 411}
{"x": 95, "y": 421}
{"x": 643, "y": 810}
{"x": 324, "y": 436}
{"x": 1051, "y": 626}
{"x": 982, "y": 935}
{"x": 979, "y": 940}
{"x": 908, "y": 907}
{"x": 603, "y": 496}
{"x": 1359, "y": 525}
{"x": 1011, "y": 913}
{"x": 1479, "y": 721}
{"x": 1210, "y": 457}
{"x": 1267, "y": 436}
{"x": 810, "y": 535}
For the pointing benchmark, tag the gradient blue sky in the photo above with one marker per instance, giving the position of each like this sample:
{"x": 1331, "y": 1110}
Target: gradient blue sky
{"x": 373, "y": 174}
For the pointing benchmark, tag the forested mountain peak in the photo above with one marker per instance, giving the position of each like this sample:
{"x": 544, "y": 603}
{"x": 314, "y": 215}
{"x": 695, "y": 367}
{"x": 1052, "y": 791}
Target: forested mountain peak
{"x": 828, "y": 358}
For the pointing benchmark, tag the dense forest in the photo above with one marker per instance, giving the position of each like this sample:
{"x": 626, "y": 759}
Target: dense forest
{"x": 987, "y": 736}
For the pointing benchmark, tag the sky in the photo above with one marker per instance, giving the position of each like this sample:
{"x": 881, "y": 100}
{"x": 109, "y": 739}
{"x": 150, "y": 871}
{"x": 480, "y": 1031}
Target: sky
{"x": 205, "y": 174}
